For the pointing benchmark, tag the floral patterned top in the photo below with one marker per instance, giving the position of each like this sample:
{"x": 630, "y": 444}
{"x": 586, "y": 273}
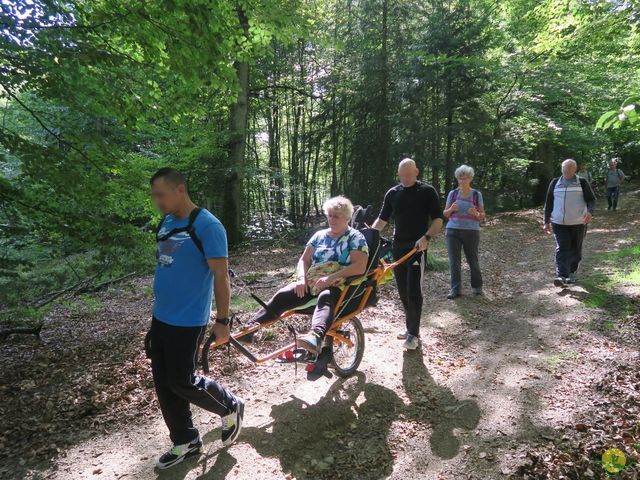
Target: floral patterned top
{"x": 328, "y": 249}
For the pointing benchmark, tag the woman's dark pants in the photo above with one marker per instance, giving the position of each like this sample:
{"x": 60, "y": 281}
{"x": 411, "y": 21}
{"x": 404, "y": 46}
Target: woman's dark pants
{"x": 457, "y": 240}
{"x": 286, "y": 299}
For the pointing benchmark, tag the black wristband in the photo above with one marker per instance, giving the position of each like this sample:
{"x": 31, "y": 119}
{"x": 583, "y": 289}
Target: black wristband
{"x": 427, "y": 237}
{"x": 223, "y": 321}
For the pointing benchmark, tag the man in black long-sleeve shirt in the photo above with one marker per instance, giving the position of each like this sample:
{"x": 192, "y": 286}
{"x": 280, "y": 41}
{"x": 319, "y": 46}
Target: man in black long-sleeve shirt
{"x": 415, "y": 208}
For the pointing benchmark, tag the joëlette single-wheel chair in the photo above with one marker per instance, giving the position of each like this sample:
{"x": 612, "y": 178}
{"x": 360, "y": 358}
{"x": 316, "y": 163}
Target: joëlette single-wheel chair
{"x": 343, "y": 347}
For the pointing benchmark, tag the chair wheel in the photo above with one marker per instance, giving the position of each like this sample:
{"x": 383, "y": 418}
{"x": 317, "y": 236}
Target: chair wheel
{"x": 346, "y": 359}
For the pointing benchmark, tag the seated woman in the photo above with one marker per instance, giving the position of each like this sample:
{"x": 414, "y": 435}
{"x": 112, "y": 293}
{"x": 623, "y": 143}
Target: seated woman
{"x": 340, "y": 246}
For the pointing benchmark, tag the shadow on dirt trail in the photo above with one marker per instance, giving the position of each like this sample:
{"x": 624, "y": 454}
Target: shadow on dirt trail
{"x": 437, "y": 406}
{"x": 346, "y": 433}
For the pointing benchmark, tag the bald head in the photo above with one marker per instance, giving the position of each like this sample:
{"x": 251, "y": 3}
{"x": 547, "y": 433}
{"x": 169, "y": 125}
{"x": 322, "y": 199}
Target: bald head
{"x": 407, "y": 163}
{"x": 408, "y": 172}
{"x": 569, "y": 168}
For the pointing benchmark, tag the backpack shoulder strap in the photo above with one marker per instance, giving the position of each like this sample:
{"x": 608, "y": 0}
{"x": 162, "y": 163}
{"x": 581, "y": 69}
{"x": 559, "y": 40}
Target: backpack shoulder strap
{"x": 192, "y": 231}
{"x": 159, "y": 226}
{"x": 476, "y": 197}
{"x": 583, "y": 183}
{"x": 586, "y": 189}
{"x": 193, "y": 215}
{"x": 454, "y": 196}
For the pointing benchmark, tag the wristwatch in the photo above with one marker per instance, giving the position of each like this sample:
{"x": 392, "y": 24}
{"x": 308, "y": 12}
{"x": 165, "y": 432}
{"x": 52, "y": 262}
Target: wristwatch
{"x": 223, "y": 321}
{"x": 427, "y": 237}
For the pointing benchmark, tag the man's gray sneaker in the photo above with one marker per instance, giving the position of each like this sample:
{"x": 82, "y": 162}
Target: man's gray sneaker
{"x": 411, "y": 343}
{"x": 573, "y": 278}
{"x": 477, "y": 291}
{"x": 179, "y": 453}
{"x": 403, "y": 335}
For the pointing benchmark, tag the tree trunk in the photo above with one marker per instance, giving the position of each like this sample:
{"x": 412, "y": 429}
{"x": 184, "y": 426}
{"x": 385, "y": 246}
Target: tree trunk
{"x": 232, "y": 197}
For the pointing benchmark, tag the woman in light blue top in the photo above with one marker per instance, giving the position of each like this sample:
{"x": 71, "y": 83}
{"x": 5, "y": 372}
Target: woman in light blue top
{"x": 465, "y": 211}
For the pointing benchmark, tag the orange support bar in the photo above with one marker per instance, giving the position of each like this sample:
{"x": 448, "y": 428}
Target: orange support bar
{"x": 375, "y": 275}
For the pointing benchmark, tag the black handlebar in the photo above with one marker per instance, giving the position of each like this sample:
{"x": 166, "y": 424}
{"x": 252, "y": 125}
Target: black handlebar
{"x": 205, "y": 352}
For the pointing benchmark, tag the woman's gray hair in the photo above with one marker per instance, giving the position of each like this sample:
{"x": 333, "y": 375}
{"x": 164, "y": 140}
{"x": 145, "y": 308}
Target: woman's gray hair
{"x": 339, "y": 204}
{"x": 464, "y": 171}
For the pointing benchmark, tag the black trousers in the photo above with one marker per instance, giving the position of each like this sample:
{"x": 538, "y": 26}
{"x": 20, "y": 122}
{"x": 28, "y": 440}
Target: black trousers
{"x": 569, "y": 240}
{"x": 174, "y": 352}
{"x": 286, "y": 299}
{"x": 612, "y": 196}
{"x": 409, "y": 276}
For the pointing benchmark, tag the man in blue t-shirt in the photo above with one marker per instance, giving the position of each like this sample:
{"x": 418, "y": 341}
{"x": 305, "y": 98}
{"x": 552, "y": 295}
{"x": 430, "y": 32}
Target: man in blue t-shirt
{"x": 192, "y": 267}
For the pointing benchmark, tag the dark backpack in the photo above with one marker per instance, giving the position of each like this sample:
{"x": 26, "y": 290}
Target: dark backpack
{"x": 190, "y": 229}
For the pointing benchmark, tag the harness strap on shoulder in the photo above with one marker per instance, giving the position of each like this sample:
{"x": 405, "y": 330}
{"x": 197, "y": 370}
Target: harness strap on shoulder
{"x": 476, "y": 197}
{"x": 191, "y": 231}
{"x": 159, "y": 226}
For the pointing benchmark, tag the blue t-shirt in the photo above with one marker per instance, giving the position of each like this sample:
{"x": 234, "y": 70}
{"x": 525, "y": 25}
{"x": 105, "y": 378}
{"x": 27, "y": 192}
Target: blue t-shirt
{"x": 328, "y": 249}
{"x": 462, "y": 219}
{"x": 183, "y": 283}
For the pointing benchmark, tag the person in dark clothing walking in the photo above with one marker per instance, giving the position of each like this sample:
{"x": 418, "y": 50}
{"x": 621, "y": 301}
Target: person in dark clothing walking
{"x": 191, "y": 266}
{"x": 615, "y": 177}
{"x": 567, "y": 211}
{"x": 415, "y": 208}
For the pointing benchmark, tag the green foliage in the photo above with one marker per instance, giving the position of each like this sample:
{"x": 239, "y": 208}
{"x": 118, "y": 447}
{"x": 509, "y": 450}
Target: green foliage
{"x": 556, "y": 360}
{"x": 618, "y": 269}
{"x": 84, "y": 306}
{"x": 22, "y": 317}
{"x": 435, "y": 263}
{"x": 626, "y": 114}
{"x": 95, "y": 96}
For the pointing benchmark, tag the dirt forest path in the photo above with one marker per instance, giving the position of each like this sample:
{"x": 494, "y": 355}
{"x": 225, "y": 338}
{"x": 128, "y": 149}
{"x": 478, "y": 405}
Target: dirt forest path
{"x": 497, "y": 378}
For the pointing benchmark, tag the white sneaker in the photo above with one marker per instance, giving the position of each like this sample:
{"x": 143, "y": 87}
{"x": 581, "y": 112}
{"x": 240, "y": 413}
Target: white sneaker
{"x": 177, "y": 453}
{"x": 232, "y": 423}
{"x": 411, "y": 343}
